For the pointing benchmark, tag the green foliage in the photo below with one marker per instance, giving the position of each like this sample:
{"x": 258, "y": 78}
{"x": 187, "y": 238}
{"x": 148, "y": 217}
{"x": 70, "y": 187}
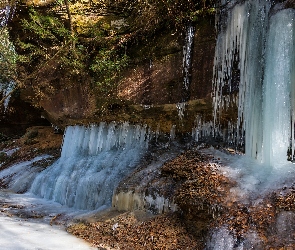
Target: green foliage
{"x": 44, "y": 36}
{"x": 188, "y": 10}
{"x": 91, "y": 46}
{"x": 47, "y": 36}
{"x": 94, "y": 49}
{"x": 107, "y": 67}
{"x": 75, "y": 60}
{"x": 45, "y": 27}
{"x": 151, "y": 15}
{"x": 8, "y": 57}
{"x": 31, "y": 50}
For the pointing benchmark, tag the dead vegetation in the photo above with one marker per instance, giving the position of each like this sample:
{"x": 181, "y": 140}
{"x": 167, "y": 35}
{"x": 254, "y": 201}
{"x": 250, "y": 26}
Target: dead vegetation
{"x": 202, "y": 195}
{"x": 128, "y": 231}
{"x": 36, "y": 141}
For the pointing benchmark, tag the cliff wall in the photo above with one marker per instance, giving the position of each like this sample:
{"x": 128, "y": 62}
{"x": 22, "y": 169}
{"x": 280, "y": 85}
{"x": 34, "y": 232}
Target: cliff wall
{"x": 95, "y": 61}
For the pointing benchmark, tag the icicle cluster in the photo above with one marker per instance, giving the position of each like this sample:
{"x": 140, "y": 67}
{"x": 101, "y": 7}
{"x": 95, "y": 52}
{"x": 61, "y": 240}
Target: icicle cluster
{"x": 238, "y": 66}
{"x": 92, "y": 163}
{"x": 181, "y": 106}
{"x": 90, "y": 141}
{"x": 202, "y": 130}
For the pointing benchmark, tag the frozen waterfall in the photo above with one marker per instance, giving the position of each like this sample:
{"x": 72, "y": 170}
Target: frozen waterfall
{"x": 93, "y": 161}
{"x": 254, "y": 60}
{"x": 254, "y": 76}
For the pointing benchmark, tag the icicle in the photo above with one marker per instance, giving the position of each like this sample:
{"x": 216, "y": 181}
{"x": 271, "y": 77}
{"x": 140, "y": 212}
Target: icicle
{"x": 187, "y": 67}
{"x": 181, "y": 109}
{"x": 187, "y": 56}
{"x": 277, "y": 105}
{"x": 202, "y": 130}
{"x": 172, "y": 132}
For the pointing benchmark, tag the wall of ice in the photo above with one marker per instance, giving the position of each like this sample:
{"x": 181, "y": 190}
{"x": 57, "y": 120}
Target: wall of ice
{"x": 93, "y": 161}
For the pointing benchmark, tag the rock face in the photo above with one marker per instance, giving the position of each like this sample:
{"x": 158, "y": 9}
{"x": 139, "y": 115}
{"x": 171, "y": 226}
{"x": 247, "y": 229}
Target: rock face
{"x": 153, "y": 78}
{"x": 160, "y": 81}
